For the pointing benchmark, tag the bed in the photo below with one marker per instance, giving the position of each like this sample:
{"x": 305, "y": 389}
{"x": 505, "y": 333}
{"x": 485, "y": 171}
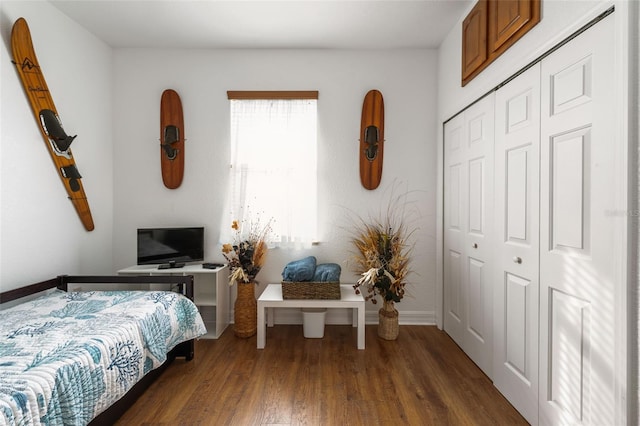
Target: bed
{"x": 80, "y": 357}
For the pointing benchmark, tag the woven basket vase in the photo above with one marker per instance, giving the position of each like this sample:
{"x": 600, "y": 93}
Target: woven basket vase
{"x": 388, "y": 327}
{"x": 245, "y": 311}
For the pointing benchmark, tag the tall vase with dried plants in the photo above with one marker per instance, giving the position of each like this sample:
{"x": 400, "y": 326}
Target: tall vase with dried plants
{"x": 382, "y": 255}
{"x": 246, "y": 255}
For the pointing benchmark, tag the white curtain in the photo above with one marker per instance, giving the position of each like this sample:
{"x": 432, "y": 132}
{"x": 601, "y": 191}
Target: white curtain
{"x": 273, "y": 167}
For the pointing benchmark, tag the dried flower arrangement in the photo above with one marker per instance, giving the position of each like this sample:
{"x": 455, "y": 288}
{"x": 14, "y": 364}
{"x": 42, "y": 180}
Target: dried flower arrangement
{"x": 382, "y": 254}
{"x": 246, "y": 255}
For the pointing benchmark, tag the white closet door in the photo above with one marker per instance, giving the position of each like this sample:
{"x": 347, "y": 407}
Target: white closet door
{"x": 577, "y": 297}
{"x": 516, "y": 282}
{"x": 455, "y": 207}
{"x": 468, "y": 229}
{"x": 478, "y": 244}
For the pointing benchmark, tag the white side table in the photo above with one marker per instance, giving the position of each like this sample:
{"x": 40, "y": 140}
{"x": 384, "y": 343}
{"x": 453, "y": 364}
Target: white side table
{"x": 271, "y": 298}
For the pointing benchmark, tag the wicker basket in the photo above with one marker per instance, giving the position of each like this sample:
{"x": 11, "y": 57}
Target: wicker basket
{"x": 311, "y": 290}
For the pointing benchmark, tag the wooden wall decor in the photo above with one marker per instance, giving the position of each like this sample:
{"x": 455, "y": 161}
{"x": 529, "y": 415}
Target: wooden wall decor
{"x": 55, "y": 138}
{"x": 371, "y": 139}
{"x": 171, "y": 139}
{"x": 491, "y": 28}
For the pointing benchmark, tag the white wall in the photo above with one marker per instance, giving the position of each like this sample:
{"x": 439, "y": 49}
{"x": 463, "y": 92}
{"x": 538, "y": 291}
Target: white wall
{"x": 407, "y": 80}
{"x": 41, "y": 235}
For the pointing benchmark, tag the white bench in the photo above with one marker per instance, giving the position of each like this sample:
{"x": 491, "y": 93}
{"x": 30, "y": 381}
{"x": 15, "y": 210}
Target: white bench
{"x": 271, "y": 298}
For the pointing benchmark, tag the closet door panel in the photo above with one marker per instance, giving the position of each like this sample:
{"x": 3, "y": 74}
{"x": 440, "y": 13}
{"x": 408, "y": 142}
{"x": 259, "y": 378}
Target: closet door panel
{"x": 517, "y": 165}
{"x": 477, "y": 290}
{"x": 516, "y": 291}
{"x": 570, "y": 189}
{"x": 570, "y": 354}
{"x": 577, "y": 261}
{"x": 477, "y": 171}
{"x": 516, "y": 282}
{"x": 570, "y": 87}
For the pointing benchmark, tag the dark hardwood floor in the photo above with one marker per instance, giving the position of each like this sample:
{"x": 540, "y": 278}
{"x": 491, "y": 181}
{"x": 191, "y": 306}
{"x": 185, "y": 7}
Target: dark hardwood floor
{"x": 423, "y": 378}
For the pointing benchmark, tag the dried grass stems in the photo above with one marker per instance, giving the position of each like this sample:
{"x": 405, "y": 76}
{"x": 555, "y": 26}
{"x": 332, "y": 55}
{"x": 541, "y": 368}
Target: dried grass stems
{"x": 383, "y": 251}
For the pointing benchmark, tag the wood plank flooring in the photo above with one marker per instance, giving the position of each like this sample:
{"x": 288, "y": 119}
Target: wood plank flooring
{"x": 422, "y": 378}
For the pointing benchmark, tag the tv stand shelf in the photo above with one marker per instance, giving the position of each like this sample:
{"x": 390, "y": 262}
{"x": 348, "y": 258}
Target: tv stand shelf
{"x": 211, "y": 291}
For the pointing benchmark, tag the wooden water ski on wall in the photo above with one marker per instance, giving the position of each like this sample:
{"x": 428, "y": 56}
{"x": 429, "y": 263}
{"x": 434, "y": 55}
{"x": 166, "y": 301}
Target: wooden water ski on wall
{"x": 171, "y": 139}
{"x": 372, "y": 139}
{"x": 46, "y": 115}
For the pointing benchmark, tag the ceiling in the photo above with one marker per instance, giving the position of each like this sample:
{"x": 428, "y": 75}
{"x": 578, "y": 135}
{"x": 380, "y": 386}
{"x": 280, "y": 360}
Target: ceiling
{"x": 265, "y": 24}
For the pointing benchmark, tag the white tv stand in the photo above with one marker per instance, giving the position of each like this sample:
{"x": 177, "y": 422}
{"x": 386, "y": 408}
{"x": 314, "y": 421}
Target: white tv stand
{"x": 211, "y": 292}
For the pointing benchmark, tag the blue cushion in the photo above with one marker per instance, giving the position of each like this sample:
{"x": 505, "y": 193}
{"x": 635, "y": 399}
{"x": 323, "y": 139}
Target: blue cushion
{"x": 326, "y": 272}
{"x": 300, "y": 270}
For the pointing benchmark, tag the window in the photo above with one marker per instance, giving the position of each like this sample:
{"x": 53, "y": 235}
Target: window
{"x": 273, "y": 162}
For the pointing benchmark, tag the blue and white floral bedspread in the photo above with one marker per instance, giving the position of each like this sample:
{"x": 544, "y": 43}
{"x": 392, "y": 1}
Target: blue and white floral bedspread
{"x": 66, "y": 357}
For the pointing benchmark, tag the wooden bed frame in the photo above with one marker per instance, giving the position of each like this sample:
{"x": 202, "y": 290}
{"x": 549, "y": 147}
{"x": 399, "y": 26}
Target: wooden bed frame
{"x": 185, "y": 349}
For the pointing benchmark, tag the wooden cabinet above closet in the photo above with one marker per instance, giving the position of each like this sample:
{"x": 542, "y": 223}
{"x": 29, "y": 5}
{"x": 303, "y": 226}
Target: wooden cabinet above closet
{"x": 474, "y": 40}
{"x": 491, "y": 28}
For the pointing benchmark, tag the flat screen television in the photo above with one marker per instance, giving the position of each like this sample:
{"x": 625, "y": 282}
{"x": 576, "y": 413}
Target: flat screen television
{"x": 174, "y": 246}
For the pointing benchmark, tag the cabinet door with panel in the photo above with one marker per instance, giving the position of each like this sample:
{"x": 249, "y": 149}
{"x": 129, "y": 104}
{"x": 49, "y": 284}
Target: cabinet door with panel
{"x": 455, "y": 206}
{"x": 478, "y": 244}
{"x": 468, "y": 231}
{"x": 509, "y": 20}
{"x": 474, "y": 39}
{"x": 516, "y": 283}
{"x": 579, "y": 252}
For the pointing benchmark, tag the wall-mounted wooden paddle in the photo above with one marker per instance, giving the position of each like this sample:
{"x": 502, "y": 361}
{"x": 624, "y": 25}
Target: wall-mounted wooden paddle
{"x": 171, "y": 139}
{"x": 372, "y": 139}
{"x": 46, "y": 115}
